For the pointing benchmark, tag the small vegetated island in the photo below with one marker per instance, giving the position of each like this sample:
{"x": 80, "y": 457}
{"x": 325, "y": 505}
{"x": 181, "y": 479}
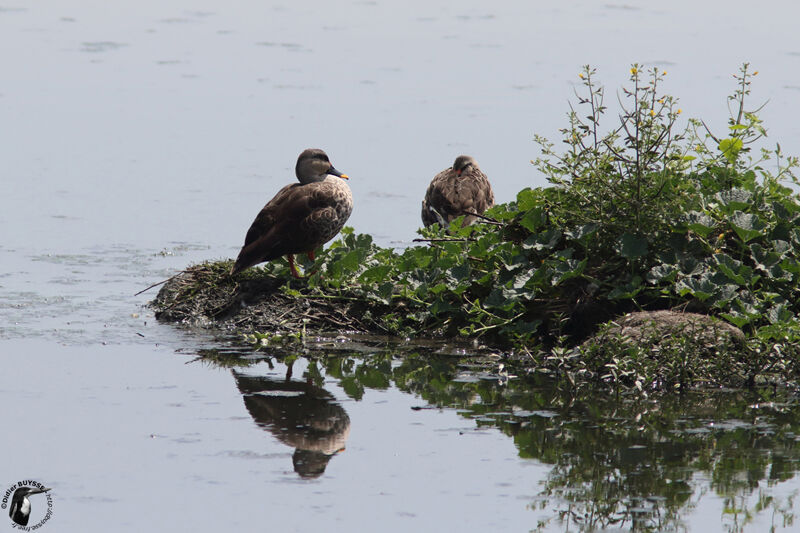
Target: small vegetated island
{"x": 658, "y": 258}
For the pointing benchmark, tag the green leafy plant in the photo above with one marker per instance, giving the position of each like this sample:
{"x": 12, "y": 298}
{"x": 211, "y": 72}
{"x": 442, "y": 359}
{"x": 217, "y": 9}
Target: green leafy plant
{"x": 644, "y": 214}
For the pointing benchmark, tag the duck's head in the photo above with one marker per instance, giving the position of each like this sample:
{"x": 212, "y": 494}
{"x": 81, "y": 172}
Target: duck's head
{"x": 464, "y": 162}
{"x": 314, "y": 165}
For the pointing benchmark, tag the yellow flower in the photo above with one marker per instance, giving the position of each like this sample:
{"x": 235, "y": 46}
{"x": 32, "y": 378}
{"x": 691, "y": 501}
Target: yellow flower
{"x": 634, "y": 70}
{"x": 664, "y": 73}
{"x": 652, "y": 113}
{"x": 680, "y": 111}
{"x": 580, "y": 76}
{"x": 661, "y": 101}
{"x": 755, "y": 73}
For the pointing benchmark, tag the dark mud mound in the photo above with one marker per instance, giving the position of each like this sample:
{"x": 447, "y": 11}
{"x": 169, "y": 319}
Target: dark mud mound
{"x": 705, "y": 332}
{"x": 206, "y": 295}
{"x": 669, "y": 349}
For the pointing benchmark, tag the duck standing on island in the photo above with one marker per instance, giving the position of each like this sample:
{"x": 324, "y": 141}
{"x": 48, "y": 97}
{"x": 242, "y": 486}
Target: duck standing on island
{"x": 462, "y": 189}
{"x": 301, "y": 217}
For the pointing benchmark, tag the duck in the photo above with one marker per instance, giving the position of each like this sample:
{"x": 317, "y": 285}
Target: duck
{"x": 462, "y": 189}
{"x": 301, "y": 217}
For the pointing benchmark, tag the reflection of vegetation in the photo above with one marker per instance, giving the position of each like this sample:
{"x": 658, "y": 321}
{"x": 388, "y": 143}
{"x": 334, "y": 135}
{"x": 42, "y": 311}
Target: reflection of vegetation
{"x": 617, "y": 461}
{"x": 226, "y": 358}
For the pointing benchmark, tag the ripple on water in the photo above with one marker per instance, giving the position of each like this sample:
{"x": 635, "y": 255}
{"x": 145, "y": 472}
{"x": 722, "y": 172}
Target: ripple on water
{"x": 101, "y": 46}
{"x": 85, "y": 296}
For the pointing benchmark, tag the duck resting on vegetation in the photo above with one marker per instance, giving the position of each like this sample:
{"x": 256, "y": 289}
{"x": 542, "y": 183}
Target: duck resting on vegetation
{"x": 462, "y": 189}
{"x": 301, "y": 217}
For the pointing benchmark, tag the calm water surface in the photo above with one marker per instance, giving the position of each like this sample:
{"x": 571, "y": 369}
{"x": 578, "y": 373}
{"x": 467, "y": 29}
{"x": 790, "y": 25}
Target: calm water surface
{"x": 138, "y": 138}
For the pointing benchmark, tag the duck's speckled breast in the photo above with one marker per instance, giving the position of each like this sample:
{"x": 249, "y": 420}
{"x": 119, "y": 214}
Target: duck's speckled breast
{"x": 337, "y": 204}
{"x": 343, "y": 195}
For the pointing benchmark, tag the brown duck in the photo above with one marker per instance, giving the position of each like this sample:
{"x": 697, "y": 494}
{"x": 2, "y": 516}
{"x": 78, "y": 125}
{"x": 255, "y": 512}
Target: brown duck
{"x": 301, "y": 217}
{"x": 459, "y": 190}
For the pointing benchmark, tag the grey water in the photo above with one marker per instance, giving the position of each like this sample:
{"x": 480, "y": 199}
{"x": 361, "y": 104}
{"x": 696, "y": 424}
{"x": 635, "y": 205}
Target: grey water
{"x": 137, "y": 138}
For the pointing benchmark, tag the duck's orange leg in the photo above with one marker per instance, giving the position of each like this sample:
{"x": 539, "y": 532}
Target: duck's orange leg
{"x": 313, "y": 258}
{"x": 292, "y": 267}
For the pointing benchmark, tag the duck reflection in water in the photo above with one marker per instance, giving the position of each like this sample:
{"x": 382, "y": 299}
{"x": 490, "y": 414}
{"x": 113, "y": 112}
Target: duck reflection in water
{"x": 300, "y": 415}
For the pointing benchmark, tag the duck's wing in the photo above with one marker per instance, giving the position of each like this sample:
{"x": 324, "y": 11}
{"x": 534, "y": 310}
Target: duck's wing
{"x": 436, "y": 206}
{"x": 298, "y": 219}
{"x": 266, "y": 237}
{"x": 473, "y": 194}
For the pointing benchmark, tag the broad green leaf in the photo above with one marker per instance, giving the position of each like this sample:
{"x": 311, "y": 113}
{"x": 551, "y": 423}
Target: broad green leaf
{"x": 498, "y": 299}
{"x": 747, "y": 304}
{"x": 632, "y": 246}
{"x": 785, "y": 210}
{"x": 568, "y": 269}
{"x": 775, "y": 272}
{"x": 781, "y": 247}
{"x": 385, "y": 291}
{"x": 766, "y": 260}
{"x": 736, "y": 319}
{"x": 779, "y": 313}
{"x": 460, "y": 272}
{"x": 791, "y": 265}
{"x": 583, "y": 233}
{"x": 527, "y": 199}
{"x": 730, "y": 148}
{"x": 665, "y": 273}
{"x": 628, "y": 290}
{"x": 723, "y": 295}
{"x": 532, "y": 219}
{"x": 746, "y": 226}
{"x": 731, "y": 268}
{"x": 438, "y": 288}
{"x": 375, "y": 273}
{"x": 502, "y": 211}
{"x": 522, "y": 278}
{"x": 545, "y": 240}
{"x": 734, "y": 199}
{"x": 700, "y": 289}
{"x": 700, "y": 223}
{"x": 441, "y": 306}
